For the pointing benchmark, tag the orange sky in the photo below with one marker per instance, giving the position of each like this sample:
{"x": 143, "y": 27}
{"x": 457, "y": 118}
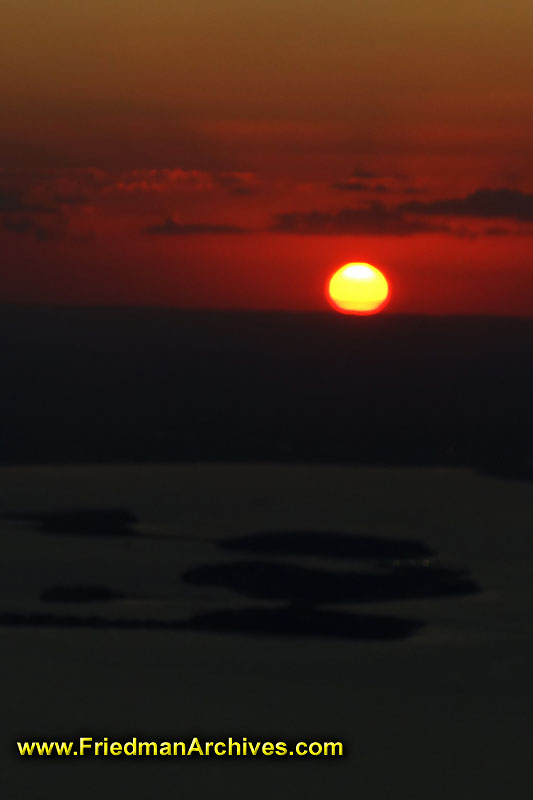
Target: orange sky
{"x": 232, "y": 154}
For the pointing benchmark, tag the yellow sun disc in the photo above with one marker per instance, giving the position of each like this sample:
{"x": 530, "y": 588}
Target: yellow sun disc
{"x": 358, "y": 288}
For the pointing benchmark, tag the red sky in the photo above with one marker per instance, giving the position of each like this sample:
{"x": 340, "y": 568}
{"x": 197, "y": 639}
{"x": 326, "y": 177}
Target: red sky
{"x": 232, "y": 154}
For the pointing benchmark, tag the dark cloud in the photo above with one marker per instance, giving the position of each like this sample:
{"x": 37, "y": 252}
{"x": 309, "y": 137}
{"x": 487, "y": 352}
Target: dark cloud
{"x": 359, "y": 186}
{"x": 72, "y": 199}
{"x": 362, "y": 180}
{"x": 14, "y": 203}
{"x": 26, "y": 226}
{"x": 18, "y": 225}
{"x": 484, "y": 203}
{"x": 28, "y": 218}
{"x": 242, "y": 190}
{"x": 372, "y": 220}
{"x": 350, "y": 186}
{"x": 171, "y": 228}
{"x": 413, "y": 190}
{"x": 495, "y": 230}
{"x": 366, "y": 174}
{"x": 11, "y": 203}
{"x": 238, "y": 183}
{"x": 363, "y": 173}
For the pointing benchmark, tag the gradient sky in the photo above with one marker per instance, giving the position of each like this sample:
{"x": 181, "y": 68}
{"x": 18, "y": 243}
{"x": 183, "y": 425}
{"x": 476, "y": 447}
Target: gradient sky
{"x": 232, "y": 154}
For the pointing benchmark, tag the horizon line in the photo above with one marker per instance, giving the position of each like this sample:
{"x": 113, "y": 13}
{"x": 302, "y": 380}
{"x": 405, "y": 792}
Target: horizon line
{"x": 59, "y": 306}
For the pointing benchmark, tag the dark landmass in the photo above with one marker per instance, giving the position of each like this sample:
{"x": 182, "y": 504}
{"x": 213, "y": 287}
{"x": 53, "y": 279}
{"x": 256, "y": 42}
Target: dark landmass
{"x": 250, "y": 621}
{"x": 38, "y": 620}
{"x": 306, "y": 622}
{"x": 325, "y": 544}
{"x": 85, "y": 522}
{"x": 285, "y": 622}
{"x": 80, "y": 594}
{"x": 136, "y": 385}
{"x": 301, "y": 585}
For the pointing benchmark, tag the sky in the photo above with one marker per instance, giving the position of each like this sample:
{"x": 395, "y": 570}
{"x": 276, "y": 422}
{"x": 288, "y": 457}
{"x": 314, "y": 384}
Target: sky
{"x": 232, "y": 154}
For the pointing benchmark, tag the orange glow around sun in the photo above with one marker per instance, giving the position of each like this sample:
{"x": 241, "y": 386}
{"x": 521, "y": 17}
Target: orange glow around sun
{"x": 358, "y": 288}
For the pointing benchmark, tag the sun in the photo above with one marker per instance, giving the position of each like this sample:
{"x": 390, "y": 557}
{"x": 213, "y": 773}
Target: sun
{"x": 358, "y": 288}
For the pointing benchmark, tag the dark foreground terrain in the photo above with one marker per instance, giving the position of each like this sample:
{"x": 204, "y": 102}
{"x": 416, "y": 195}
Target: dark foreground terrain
{"x": 388, "y": 608}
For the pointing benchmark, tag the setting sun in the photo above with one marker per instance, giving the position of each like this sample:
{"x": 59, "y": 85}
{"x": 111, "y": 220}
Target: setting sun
{"x": 358, "y": 288}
